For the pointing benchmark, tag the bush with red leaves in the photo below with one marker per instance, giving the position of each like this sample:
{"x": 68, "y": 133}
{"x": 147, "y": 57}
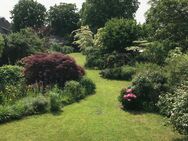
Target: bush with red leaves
{"x": 51, "y": 68}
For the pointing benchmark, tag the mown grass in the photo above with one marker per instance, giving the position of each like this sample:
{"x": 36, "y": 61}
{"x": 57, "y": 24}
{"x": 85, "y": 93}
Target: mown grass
{"x": 97, "y": 118}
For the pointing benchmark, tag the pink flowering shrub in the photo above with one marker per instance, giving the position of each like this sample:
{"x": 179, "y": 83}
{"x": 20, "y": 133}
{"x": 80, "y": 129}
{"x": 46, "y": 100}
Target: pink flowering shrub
{"x": 144, "y": 92}
{"x": 128, "y": 99}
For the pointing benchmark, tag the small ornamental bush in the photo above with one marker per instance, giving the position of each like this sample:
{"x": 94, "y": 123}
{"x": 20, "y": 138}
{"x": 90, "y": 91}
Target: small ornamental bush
{"x": 55, "y": 47}
{"x": 10, "y": 75}
{"x": 120, "y": 73}
{"x": 55, "y": 99}
{"x": 94, "y": 59}
{"x": 51, "y": 68}
{"x": 40, "y": 105}
{"x": 88, "y": 85}
{"x": 128, "y": 99}
{"x": 74, "y": 91}
{"x": 11, "y": 83}
{"x": 67, "y": 49}
{"x": 55, "y": 102}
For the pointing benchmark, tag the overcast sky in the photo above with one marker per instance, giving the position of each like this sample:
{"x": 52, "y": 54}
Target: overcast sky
{"x": 7, "y": 5}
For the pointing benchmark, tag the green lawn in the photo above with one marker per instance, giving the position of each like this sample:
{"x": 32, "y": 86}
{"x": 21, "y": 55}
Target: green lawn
{"x": 97, "y": 118}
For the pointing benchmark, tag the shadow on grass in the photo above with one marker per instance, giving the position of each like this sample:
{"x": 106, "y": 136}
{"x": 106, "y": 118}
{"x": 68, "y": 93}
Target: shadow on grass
{"x": 134, "y": 112}
{"x": 185, "y": 138}
{"x": 58, "y": 113}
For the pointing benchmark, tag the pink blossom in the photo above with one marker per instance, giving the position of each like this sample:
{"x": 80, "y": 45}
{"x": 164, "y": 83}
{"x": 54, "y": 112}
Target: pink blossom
{"x": 130, "y": 97}
{"x": 128, "y": 91}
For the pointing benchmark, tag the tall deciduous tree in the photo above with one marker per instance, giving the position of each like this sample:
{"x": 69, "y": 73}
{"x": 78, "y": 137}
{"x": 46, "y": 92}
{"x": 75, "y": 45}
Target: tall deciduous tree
{"x": 168, "y": 20}
{"x": 28, "y": 13}
{"x": 63, "y": 19}
{"x": 96, "y": 13}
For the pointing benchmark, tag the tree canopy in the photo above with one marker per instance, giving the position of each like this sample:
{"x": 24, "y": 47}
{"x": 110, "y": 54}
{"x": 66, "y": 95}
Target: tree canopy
{"x": 63, "y": 19}
{"x": 167, "y": 20}
{"x": 96, "y": 13}
{"x": 28, "y": 13}
{"x": 117, "y": 35}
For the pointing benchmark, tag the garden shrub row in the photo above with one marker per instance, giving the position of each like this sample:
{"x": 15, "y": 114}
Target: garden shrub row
{"x": 161, "y": 90}
{"x": 44, "y": 82}
{"x": 53, "y": 100}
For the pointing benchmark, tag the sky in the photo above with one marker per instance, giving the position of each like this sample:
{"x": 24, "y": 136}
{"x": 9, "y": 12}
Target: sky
{"x": 7, "y": 5}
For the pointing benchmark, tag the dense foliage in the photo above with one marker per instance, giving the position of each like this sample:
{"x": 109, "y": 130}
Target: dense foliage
{"x": 25, "y": 107}
{"x": 12, "y": 85}
{"x": 174, "y": 105}
{"x": 96, "y": 58}
{"x": 2, "y": 44}
{"x": 97, "y": 13}
{"x": 10, "y": 75}
{"x": 28, "y": 13}
{"x": 49, "y": 69}
{"x": 156, "y": 52}
{"x": 88, "y": 85}
{"x": 21, "y": 44}
{"x": 111, "y": 43}
{"x": 117, "y": 35}
{"x": 167, "y": 20}
{"x": 63, "y": 19}
{"x": 55, "y": 47}
{"x": 177, "y": 67}
{"x": 147, "y": 87}
{"x": 74, "y": 90}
